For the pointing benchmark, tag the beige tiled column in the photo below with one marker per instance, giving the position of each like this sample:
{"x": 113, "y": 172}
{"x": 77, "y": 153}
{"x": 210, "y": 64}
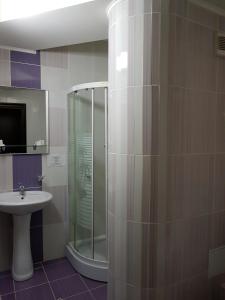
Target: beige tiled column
{"x": 166, "y": 150}
{"x": 134, "y": 65}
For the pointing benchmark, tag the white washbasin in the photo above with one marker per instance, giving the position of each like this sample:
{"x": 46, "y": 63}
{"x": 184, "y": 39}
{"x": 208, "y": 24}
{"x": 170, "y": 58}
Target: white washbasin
{"x": 14, "y": 203}
{"x": 21, "y": 208}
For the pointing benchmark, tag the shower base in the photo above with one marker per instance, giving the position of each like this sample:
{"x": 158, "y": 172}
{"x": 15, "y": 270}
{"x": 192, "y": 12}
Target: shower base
{"x": 97, "y": 268}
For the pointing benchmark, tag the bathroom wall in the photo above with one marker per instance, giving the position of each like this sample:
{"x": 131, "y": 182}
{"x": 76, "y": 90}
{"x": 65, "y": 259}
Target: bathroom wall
{"x": 54, "y": 70}
{"x": 195, "y": 134}
{"x": 166, "y": 162}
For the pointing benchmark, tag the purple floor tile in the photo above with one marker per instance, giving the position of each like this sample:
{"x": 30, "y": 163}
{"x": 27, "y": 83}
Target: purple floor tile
{"x": 92, "y": 284}
{"x": 38, "y": 278}
{"x": 5, "y": 274}
{"x": 58, "y": 269}
{"x": 67, "y": 287}
{"x": 41, "y": 292}
{"x": 83, "y": 296}
{"x": 100, "y": 293}
{"x": 9, "y": 297}
{"x": 6, "y": 285}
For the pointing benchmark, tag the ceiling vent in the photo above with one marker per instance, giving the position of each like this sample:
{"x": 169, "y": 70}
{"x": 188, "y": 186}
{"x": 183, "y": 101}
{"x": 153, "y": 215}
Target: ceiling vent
{"x": 220, "y": 43}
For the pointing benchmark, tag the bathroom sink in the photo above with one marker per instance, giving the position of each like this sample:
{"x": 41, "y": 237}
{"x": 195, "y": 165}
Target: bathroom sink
{"x": 21, "y": 205}
{"x": 14, "y": 203}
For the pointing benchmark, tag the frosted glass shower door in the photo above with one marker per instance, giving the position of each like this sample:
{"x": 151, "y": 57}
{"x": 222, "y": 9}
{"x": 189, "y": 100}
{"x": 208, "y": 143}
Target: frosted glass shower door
{"x": 83, "y": 179}
{"x": 100, "y": 182}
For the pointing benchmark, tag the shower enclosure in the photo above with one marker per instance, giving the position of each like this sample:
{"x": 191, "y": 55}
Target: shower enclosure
{"x": 87, "y": 114}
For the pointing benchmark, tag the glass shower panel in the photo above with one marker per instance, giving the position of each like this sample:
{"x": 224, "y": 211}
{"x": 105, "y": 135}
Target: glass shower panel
{"x": 71, "y": 165}
{"x": 83, "y": 229}
{"x": 99, "y": 189}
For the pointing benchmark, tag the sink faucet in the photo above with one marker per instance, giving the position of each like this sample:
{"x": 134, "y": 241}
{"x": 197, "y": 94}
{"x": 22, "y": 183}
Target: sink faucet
{"x": 22, "y": 190}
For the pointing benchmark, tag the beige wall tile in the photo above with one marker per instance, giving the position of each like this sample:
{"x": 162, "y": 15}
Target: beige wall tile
{"x": 56, "y": 57}
{"x": 191, "y": 121}
{"x": 143, "y": 120}
{"x": 54, "y": 246}
{"x": 220, "y": 123}
{"x": 202, "y": 16}
{"x": 218, "y": 230}
{"x": 190, "y": 186}
{"x": 196, "y": 246}
{"x": 136, "y": 42}
{"x": 55, "y": 212}
{"x": 219, "y": 179}
{"x": 5, "y": 72}
{"x": 57, "y": 126}
{"x": 178, "y": 7}
{"x": 177, "y": 51}
{"x": 6, "y": 176}
{"x": 151, "y": 51}
{"x": 221, "y": 23}
{"x": 4, "y": 54}
{"x": 200, "y": 58}
{"x": 196, "y": 288}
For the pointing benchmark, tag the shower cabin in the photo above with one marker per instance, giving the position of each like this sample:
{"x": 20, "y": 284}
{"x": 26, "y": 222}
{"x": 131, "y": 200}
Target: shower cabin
{"x": 87, "y": 168}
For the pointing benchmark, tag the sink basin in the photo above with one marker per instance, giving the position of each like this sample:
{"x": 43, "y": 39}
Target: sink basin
{"x": 21, "y": 208}
{"x": 14, "y": 203}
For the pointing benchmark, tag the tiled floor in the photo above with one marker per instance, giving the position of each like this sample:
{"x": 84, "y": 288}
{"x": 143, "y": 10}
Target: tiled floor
{"x": 53, "y": 280}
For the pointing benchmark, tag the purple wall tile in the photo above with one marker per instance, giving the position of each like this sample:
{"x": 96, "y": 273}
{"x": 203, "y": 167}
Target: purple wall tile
{"x": 36, "y": 219}
{"x": 26, "y": 168}
{"x": 24, "y": 75}
{"x": 36, "y": 240}
{"x": 26, "y": 72}
{"x": 23, "y": 57}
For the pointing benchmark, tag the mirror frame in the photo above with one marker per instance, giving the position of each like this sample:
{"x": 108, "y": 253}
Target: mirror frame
{"x": 47, "y": 119}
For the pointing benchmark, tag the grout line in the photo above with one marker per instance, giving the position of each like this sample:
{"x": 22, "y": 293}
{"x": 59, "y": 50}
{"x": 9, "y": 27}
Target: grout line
{"x": 89, "y": 291}
{"x": 24, "y": 63}
{"x": 82, "y": 293}
{"x": 49, "y": 284}
{"x": 14, "y": 288}
{"x": 65, "y": 277}
{"x": 31, "y": 287}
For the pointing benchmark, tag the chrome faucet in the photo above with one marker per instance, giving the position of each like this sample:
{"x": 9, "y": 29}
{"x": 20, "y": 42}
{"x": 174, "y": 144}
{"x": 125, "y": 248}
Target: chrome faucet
{"x": 22, "y": 190}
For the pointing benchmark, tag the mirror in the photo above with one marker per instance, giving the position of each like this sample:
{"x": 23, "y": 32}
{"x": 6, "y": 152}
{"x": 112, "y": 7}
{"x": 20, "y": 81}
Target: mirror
{"x": 23, "y": 121}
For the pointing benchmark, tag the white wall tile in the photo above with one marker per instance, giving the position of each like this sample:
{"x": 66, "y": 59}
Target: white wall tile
{"x": 58, "y": 127}
{"x": 5, "y": 73}
{"x": 55, "y": 212}
{"x": 216, "y": 262}
{"x": 55, "y": 176}
{"x": 54, "y": 240}
{"x": 6, "y": 176}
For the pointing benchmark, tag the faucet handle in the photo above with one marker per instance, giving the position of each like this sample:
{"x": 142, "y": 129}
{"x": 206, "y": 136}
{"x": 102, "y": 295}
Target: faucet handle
{"x": 40, "y": 178}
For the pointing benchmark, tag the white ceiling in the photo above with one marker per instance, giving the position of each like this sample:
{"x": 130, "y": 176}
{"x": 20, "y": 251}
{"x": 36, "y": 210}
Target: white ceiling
{"x": 72, "y": 25}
